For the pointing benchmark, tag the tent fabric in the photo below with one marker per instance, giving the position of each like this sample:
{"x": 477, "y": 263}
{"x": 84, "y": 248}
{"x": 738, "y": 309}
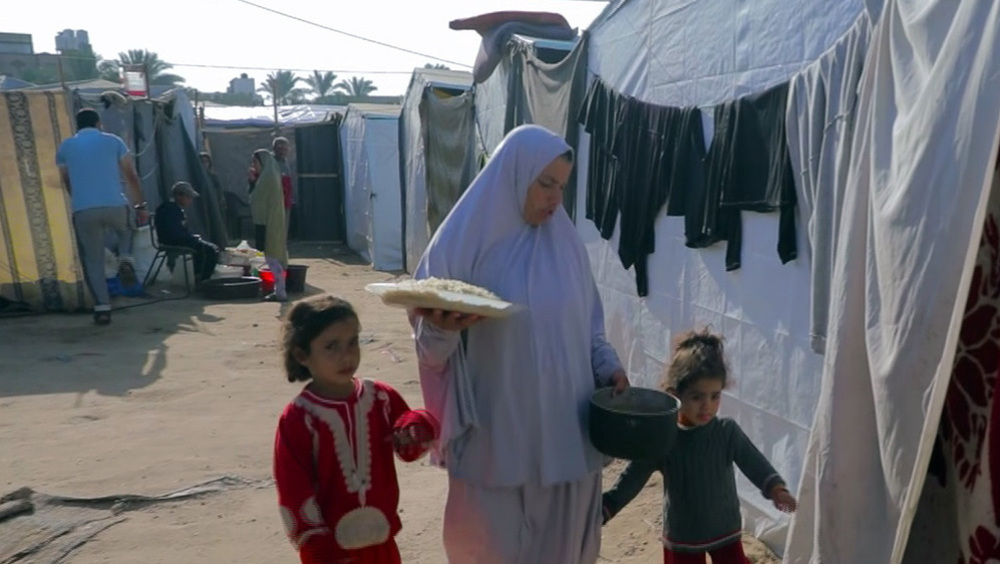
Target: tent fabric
{"x": 493, "y": 47}
{"x": 550, "y": 95}
{"x": 923, "y": 150}
{"x": 490, "y": 100}
{"x": 437, "y": 150}
{"x": 181, "y": 162}
{"x": 681, "y": 54}
{"x": 224, "y": 117}
{"x": 164, "y": 150}
{"x": 372, "y": 201}
{"x": 38, "y": 256}
{"x": 500, "y": 99}
{"x": 448, "y": 126}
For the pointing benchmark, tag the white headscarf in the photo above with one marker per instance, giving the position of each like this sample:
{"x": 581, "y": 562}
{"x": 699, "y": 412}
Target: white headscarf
{"x": 513, "y": 407}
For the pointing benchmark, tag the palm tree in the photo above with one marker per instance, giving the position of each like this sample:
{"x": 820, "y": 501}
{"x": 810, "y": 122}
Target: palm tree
{"x": 156, "y": 68}
{"x": 81, "y": 64}
{"x": 321, "y": 83}
{"x": 357, "y": 87}
{"x": 108, "y": 70}
{"x": 281, "y": 87}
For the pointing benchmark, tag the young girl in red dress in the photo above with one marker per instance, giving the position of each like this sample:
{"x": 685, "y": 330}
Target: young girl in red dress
{"x": 333, "y": 454}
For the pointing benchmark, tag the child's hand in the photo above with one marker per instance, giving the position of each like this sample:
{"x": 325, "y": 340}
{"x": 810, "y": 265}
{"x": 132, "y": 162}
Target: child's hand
{"x": 413, "y": 435}
{"x": 783, "y": 499}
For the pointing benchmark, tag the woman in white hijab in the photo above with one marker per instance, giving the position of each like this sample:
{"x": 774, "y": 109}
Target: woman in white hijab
{"x": 512, "y": 396}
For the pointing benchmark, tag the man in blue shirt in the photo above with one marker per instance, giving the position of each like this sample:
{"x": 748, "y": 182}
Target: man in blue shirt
{"x": 93, "y": 164}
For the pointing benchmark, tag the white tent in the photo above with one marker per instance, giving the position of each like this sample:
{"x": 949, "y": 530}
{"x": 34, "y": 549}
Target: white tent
{"x": 852, "y": 430}
{"x": 233, "y": 117}
{"x": 444, "y": 88}
{"x": 369, "y": 139}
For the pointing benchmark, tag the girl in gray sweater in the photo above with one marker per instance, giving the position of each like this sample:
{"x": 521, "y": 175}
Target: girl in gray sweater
{"x": 701, "y": 508}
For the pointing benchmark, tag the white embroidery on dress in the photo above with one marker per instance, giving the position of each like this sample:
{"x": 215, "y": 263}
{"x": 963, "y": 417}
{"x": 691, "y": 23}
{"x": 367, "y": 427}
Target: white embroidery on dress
{"x": 353, "y": 456}
{"x": 363, "y": 526}
{"x": 290, "y": 526}
{"x": 311, "y": 513}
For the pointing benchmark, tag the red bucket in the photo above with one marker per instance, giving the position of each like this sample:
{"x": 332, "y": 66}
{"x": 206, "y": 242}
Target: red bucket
{"x": 267, "y": 280}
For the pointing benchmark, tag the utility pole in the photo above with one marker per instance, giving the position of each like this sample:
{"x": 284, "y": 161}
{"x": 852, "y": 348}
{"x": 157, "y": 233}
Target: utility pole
{"x": 274, "y": 101}
{"x": 62, "y": 74}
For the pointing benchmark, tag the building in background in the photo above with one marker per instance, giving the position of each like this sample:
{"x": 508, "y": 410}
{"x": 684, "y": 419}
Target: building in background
{"x": 69, "y": 40}
{"x": 16, "y": 44}
{"x": 242, "y": 85}
{"x": 18, "y": 59}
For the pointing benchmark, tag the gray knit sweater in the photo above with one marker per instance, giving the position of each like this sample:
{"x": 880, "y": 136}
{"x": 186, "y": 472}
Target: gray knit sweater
{"x": 700, "y": 506}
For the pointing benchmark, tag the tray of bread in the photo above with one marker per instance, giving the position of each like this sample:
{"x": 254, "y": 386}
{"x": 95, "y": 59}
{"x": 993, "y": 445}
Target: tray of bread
{"x": 443, "y": 294}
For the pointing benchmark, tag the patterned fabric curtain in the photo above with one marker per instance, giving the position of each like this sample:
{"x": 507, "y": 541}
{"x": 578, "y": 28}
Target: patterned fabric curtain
{"x": 958, "y": 519}
{"x": 39, "y": 263}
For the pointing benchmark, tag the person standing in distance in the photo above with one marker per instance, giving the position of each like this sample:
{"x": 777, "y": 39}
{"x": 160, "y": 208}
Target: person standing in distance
{"x": 279, "y": 148}
{"x": 93, "y": 165}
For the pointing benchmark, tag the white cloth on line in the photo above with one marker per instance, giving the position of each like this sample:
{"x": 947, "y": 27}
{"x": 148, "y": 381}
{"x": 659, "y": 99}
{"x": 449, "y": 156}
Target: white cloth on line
{"x": 820, "y": 123}
{"x": 923, "y": 149}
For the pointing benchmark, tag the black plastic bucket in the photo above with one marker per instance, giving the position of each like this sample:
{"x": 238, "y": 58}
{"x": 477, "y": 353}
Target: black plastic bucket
{"x": 295, "y": 279}
{"x": 639, "y": 424}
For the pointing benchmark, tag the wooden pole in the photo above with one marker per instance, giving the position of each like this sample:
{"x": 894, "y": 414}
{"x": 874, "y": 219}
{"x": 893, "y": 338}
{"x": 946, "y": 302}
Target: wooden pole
{"x": 62, "y": 74}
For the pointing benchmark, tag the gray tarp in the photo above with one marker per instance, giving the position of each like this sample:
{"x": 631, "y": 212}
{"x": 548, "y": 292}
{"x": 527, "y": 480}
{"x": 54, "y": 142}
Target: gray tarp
{"x": 448, "y": 126}
{"x": 540, "y": 82}
{"x": 231, "y": 151}
{"x": 549, "y": 94}
{"x": 180, "y": 162}
{"x": 156, "y": 131}
{"x": 437, "y": 153}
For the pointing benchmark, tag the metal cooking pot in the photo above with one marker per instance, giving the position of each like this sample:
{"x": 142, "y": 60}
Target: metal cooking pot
{"x": 638, "y": 424}
{"x": 242, "y": 288}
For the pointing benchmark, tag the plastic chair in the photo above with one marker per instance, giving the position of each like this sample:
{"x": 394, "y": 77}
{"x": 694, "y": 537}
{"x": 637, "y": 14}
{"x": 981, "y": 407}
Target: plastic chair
{"x": 168, "y": 254}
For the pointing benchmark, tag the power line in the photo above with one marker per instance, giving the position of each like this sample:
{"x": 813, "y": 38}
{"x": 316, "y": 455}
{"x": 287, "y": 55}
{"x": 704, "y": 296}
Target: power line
{"x": 355, "y": 36}
{"x": 237, "y": 67}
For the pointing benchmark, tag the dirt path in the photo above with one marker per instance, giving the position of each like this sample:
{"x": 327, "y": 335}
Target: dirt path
{"x": 178, "y": 393}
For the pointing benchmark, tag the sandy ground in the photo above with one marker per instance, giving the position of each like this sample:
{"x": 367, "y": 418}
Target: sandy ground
{"x": 177, "y": 393}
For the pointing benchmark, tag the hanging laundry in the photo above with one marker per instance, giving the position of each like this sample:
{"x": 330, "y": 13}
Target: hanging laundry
{"x": 447, "y": 125}
{"x": 749, "y": 166}
{"x": 548, "y": 94}
{"x": 643, "y": 157}
{"x": 820, "y": 125}
{"x": 601, "y": 114}
{"x": 496, "y": 29}
{"x": 658, "y": 162}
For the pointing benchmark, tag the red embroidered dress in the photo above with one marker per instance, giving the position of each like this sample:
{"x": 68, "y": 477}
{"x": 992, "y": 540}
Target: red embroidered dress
{"x": 336, "y": 478}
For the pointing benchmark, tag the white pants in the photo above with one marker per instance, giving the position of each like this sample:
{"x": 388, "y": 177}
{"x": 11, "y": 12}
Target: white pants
{"x": 529, "y": 524}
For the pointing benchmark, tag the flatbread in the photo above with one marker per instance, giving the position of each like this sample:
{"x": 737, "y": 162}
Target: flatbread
{"x": 447, "y": 295}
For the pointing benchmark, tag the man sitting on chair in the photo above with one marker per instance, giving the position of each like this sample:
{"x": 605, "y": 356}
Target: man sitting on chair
{"x": 171, "y": 229}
